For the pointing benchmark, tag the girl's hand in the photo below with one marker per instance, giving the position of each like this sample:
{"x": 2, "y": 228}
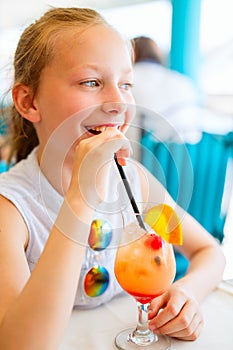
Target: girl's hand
{"x": 176, "y": 314}
{"x": 93, "y": 157}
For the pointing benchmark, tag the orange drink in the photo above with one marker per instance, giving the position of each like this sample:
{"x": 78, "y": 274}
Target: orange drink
{"x": 145, "y": 268}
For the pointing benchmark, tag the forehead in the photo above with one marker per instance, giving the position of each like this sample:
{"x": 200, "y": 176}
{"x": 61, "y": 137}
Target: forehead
{"x": 91, "y": 42}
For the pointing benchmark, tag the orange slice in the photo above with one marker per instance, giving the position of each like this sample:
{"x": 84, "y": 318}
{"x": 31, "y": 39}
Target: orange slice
{"x": 165, "y": 222}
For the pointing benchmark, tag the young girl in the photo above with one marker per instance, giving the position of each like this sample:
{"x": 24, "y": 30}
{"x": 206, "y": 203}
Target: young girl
{"x": 72, "y": 98}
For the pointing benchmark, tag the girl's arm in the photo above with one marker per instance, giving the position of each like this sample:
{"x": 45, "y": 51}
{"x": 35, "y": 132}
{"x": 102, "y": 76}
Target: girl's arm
{"x": 34, "y": 310}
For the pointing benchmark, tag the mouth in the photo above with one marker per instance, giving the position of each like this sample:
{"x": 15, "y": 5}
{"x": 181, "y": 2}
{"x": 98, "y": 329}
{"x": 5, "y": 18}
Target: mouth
{"x": 96, "y": 130}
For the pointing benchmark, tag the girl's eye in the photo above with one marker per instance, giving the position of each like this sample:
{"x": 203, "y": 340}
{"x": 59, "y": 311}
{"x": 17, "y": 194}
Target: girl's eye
{"x": 90, "y": 83}
{"x": 126, "y": 86}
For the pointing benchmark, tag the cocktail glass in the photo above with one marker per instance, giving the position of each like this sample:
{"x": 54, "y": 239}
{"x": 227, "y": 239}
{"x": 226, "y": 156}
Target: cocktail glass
{"x": 145, "y": 268}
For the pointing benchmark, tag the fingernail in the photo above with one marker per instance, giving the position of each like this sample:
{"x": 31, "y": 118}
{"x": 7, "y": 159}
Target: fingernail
{"x": 121, "y": 161}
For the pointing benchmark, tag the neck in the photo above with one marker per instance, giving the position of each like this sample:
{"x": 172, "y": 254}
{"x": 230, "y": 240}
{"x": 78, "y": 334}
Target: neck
{"x": 56, "y": 167}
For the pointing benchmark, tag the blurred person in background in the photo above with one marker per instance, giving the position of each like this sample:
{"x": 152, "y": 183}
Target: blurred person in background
{"x": 172, "y": 96}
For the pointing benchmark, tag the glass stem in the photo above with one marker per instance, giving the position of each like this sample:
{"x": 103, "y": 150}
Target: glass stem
{"x": 142, "y": 335}
{"x": 142, "y": 316}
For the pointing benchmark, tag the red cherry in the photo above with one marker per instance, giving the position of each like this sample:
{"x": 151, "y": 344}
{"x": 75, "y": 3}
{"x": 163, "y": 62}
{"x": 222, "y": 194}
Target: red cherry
{"x": 153, "y": 241}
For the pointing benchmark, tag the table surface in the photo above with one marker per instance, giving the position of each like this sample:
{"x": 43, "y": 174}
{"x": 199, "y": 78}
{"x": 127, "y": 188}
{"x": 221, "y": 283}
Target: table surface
{"x": 95, "y": 329}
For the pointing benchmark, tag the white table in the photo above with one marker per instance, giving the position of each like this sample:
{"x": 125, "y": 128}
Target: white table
{"x": 95, "y": 329}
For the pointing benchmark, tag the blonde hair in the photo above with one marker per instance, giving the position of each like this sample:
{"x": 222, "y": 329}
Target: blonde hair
{"x": 34, "y": 51}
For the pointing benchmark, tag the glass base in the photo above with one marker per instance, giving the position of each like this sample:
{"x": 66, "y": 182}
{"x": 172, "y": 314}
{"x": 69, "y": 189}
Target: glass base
{"x": 123, "y": 342}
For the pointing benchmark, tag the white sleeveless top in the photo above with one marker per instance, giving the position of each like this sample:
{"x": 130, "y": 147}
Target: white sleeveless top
{"x": 39, "y": 203}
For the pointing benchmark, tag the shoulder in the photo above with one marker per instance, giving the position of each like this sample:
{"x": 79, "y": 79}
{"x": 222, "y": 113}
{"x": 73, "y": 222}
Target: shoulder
{"x": 19, "y": 179}
{"x": 17, "y": 191}
{"x": 12, "y": 224}
{"x": 13, "y": 266}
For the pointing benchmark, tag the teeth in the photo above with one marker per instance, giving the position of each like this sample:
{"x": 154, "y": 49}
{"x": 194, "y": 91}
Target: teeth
{"x": 100, "y": 128}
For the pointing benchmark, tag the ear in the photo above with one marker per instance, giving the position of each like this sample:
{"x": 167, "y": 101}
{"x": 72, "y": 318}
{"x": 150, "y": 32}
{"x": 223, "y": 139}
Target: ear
{"x": 23, "y": 101}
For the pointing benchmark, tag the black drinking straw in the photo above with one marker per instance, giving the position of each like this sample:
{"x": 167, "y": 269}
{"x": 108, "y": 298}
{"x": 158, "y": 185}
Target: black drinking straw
{"x": 129, "y": 193}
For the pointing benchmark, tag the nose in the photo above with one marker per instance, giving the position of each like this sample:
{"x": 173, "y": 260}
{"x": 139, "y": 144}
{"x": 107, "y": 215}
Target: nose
{"x": 114, "y": 108}
{"x": 113, "y": 102}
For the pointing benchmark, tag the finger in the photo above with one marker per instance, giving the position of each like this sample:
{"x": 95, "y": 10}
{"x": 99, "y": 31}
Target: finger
{"x": 169, "y": 309}
{"x": 111, "y": 133}
{"x": 156, "y": 305}
{"x": 113, "y": 141}
{"x": 190, "y": 331}
{"x": 122, "y": 154}
{"x": 125, "y": 148}
{"x": 185, "y": 323}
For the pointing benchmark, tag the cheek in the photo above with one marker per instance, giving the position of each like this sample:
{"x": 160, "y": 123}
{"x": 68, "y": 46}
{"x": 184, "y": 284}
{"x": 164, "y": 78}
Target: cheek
{"x": 80, "y": 105}
{"x": 62, "y": 102}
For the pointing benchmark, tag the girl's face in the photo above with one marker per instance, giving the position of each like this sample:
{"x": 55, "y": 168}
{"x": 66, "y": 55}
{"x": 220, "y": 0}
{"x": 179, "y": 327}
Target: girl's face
{"x": 90, "y": 76}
